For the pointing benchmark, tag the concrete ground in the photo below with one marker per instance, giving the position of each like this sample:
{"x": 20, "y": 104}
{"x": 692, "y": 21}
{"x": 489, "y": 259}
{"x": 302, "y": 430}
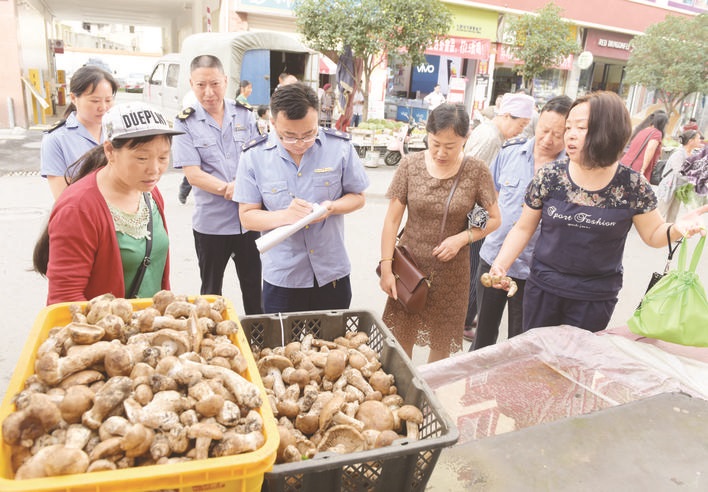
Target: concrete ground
{"x": 25, "y": 202}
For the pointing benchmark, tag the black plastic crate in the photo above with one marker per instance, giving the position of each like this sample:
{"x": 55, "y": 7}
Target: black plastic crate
{"x": 404, "y": 466}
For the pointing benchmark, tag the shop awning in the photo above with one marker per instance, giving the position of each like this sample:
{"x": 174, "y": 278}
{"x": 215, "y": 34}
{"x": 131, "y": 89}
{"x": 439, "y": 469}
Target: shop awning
{"x": 327, "y": 66}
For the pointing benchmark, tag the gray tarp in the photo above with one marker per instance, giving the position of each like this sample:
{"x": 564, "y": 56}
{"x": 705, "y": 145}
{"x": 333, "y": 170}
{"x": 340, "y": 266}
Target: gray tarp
{"x": 230, "y": 47}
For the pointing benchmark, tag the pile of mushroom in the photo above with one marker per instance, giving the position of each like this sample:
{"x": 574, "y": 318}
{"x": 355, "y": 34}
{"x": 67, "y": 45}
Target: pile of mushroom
{"x": 333, "y": 396}
{"x": 116, "y": 388}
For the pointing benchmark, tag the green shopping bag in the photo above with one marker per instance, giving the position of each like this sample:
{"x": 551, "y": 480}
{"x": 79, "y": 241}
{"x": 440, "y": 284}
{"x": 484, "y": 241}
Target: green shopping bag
{"x": 676, "y": 309}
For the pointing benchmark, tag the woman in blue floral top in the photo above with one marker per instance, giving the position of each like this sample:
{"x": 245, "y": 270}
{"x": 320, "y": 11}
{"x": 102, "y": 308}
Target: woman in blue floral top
{"x": 588, "y": 204}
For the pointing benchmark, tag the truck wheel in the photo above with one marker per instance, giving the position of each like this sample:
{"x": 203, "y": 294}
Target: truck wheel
{"x": 392, "y": 157}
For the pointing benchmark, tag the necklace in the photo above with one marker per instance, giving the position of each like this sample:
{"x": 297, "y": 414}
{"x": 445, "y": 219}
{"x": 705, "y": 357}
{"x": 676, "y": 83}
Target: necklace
{"x": 134, "y": 225}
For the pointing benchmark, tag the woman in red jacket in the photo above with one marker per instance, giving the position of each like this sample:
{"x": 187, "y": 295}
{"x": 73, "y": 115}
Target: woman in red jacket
{"x": 645, "y": 144}
{"x": 102, "y": 226}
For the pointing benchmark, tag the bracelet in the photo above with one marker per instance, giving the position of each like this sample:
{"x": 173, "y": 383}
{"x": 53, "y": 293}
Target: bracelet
{"x": 470, "y": 236}
{"x": 385, "y": 259}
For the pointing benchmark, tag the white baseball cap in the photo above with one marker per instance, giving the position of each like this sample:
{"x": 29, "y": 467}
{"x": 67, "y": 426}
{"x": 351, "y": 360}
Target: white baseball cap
{"x": 136, "y": 119}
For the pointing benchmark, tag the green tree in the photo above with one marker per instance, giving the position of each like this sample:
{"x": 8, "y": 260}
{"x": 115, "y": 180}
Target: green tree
{"x": 371, "y": 29}
{"x": 671, "y": 58}
{"x": 541, "y": 40}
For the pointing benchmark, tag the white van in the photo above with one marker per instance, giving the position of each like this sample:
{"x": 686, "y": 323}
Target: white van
{"x": 256, "y": 56}
{"x": 162, "y": 86}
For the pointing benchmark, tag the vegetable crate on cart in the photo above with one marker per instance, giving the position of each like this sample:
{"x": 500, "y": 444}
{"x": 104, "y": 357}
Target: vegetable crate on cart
{"x": 404, "y": 466}
{"x": 237, "y": 473}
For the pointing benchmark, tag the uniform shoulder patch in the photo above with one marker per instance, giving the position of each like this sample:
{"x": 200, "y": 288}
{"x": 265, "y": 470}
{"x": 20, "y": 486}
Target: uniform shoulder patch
{"x": 56, "y": 125}
{"x": 514, "y": 141}
{"x": 337, "y": 133}
{"x": 185, "y": 113}
{"x": 246, "y": 105}
{"x": 254, "y": 141}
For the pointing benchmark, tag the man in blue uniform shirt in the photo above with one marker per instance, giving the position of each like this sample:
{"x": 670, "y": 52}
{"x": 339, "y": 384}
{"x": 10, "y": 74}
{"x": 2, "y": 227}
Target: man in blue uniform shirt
{"x": 281, "y": 176}
{"x": 215, "y": 130}
{"x": 512, "y": 170}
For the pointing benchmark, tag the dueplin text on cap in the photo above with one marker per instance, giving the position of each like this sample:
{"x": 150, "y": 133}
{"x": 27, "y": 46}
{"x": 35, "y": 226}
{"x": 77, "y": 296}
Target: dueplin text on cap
{"x": 142, "y": 117}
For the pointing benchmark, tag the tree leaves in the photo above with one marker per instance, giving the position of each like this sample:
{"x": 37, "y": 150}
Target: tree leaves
{"x": 671, "y": 57}
{"x": 542, "y": 40}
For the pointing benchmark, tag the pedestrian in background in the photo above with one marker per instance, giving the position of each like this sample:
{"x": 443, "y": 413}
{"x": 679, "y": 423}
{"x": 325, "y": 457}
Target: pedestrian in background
{"x": 101, "y": 225}
{"x": 435, "y": 98}
{"x": 512, "y": 170}
{"x": 209, "y": 153}
{"x": 92, "y": 92}
{"x": 668, "y": 203}
{"x": 326, "y": 106}
{"x": 511, "y": 115}
{"x": 588, "y": 204}
{"x": 357, "y": 107}
{"x": 645, "y": 143}
{"x": 280, "y": 177}
{"x": 263, "y": 121}
{"x": 245, "y": 88}
{"x": 421, "y": 187}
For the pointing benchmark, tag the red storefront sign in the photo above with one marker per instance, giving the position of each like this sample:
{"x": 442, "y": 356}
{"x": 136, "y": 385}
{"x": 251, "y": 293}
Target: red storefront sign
{"x": 504, "y": 55}
{"x": 474, "y": 48}
{"x": 608, "y": 44}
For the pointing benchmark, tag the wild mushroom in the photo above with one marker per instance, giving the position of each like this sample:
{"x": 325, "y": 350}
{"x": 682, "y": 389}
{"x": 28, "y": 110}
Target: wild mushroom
{"x": 137, "y": 440}
{"x": 335, "y": 364}
{"x": 162, "y": 299}
{"x": 161, "y": 413}
{"x": 204, "y": 433}
{"x": 40, "y": 415}
{"x": 85, "y": 378}
{"x": 107, "y": 398}
{"x": 413, "y": 417}
{"x": 380, "y": 381}
{"x": 235, "y": 443}
{"x": 208, "y": 402}
{"x": 273, "y": 365}
{"x": 375, "y": 415}
{"x": 76, "y": 401}
{"x": 52, "y": 461}
{"x": 51, "y": 368}
{"x": 309, "y": 422}
{"x": 342, "y": 439}
{"x": 84, "y": 333}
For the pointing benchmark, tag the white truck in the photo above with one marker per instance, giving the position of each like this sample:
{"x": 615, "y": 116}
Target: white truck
{"x": 256, "y": 56}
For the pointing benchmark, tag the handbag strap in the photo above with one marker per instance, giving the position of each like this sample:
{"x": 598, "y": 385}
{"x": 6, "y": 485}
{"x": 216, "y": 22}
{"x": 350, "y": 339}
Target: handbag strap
{"x": 135, "y": 287}
{"x": 646, "y": 140}
{"x": 449, "y": 198}
{"x": 671, "y": 250}
{"x": 694, "y": 259}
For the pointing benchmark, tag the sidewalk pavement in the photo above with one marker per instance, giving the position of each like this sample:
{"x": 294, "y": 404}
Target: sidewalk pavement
{"x": 25, "y": 202}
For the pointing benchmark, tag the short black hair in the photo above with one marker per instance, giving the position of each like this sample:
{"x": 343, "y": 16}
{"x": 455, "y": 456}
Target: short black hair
{"x": 558, "y": 104}
{"x": 609, "y": 128}
{"x": 206, "y": 61}
{"x": 295, "y": 100}
{"x": 446, "y": 116}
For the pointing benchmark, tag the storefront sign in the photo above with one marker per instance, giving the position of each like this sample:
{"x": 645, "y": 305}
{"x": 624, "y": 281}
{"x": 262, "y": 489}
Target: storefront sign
{"x": 608, "y": 44}
{"x": 476, "y": 49}
{"x": 504, "y": 55}
{"x": 259, "y": 5}
{"x": 425, "y": 76}
{"x": 456, "y": 93}
{"x": 471, "y": 22}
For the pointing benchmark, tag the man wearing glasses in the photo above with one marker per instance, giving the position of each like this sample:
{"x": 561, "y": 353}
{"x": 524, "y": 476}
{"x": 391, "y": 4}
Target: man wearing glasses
{"x": 280, "y": 177}
{"x": 215, "y": 130}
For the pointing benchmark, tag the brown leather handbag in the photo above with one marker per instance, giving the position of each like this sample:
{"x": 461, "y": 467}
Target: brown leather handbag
{"x": 412, "y": 284}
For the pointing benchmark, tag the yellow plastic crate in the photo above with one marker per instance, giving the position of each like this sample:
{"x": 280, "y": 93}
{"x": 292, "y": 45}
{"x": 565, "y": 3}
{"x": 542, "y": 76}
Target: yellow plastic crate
{"x": 240, "y": 473}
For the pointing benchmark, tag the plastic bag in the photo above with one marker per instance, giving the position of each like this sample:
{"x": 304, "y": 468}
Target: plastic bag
{"x": 676, "y": 308}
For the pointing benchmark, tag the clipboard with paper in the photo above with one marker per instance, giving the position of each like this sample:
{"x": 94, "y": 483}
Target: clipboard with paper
{"x": 280, "y": 234}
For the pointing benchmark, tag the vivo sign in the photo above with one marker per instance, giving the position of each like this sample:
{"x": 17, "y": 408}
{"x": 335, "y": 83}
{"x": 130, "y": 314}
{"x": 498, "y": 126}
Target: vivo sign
{"x": 423, "y": 68}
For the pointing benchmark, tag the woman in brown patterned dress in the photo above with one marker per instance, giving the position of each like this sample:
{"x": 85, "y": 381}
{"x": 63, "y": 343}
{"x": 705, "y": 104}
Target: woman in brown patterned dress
{"x": 421, "y": 186}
